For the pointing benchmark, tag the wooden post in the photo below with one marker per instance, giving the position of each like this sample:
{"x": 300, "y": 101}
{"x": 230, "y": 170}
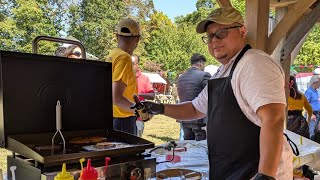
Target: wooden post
{"x": 257, "y": 21}
{"x": 277, "y": 55}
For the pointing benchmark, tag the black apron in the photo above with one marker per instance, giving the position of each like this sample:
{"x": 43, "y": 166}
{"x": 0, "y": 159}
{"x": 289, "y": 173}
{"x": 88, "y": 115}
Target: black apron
{"x": 233, "y": 140}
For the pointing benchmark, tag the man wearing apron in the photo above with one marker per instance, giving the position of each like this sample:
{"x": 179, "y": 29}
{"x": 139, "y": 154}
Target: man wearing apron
{"x": 245, "y": 103}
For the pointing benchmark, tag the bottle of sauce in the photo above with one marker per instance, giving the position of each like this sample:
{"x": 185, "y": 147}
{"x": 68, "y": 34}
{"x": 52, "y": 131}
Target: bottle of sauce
{"x": 140, "y": 109}
{"x": 64, "y": 175}
{"x": 89, "y": 173}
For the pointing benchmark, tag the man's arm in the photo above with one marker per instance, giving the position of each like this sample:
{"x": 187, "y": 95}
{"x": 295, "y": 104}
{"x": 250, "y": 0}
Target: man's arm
{"x": 271, "y": 137}
{"x": 308, "y": 96}
{"x": 183, "y": 111}
{"x": 118, "y": 99}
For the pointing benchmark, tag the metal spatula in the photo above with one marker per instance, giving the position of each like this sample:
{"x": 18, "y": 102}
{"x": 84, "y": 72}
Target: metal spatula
{"x": 58, "y": 126}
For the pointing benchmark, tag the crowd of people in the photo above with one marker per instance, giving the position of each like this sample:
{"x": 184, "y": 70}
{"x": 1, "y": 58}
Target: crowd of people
{"x": 304, "y": 109}
{"x": 240, "y": 110}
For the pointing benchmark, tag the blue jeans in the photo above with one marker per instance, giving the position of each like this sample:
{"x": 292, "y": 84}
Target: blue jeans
{"x": 127, "y": 124}
{"x": 313, "y": 124}
{"x": 194, "y": 132}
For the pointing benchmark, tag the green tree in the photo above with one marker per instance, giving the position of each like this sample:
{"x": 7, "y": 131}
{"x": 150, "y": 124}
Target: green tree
{"x": 142, "y": 10}
{"x": 204, "y": 7}
{"x": 93, "y": 23}
{"x": 239, "y": 5}
{"x": 172, "y": 46}
{"x": 23, "y": 20}
{"x": 309, "y": 54}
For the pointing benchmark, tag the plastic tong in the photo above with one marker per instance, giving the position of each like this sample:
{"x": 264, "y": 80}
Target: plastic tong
{"x": 58, "y": 126}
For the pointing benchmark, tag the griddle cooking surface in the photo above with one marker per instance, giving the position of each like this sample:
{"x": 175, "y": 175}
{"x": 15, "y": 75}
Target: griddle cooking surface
{"x": 27, "y": 144}
{"x": 71, "y": 148}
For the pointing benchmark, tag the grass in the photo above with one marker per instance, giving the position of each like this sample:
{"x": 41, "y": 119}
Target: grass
{"x": 159, "y": 130}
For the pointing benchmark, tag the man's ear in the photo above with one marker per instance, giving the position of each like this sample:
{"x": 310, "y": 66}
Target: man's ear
{"x": 243, "y": 31}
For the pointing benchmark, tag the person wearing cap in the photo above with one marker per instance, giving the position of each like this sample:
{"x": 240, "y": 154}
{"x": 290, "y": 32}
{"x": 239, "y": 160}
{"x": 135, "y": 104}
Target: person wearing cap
{"x": 69, "y": 51}
{"x": 124, "y": 83}
{"x": 73, "y": 51}
{"x": 245, "y": 103}
{"x": 312, "y": 96}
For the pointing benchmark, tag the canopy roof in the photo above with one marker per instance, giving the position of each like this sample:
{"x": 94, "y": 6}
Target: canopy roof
{"x": 155, "y": 78}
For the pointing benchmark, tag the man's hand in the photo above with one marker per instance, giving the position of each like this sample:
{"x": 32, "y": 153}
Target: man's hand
{"x": 142, "y": 112}
{"x": 154, "y": 108}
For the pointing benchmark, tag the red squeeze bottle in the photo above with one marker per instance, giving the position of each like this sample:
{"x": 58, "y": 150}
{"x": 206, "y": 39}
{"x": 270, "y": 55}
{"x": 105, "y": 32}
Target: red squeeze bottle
{"x": 107, "y": 159}
{"x": 89, "y": 173}
{"x": 141, "y": 108}
{"x": 139, "y": 105}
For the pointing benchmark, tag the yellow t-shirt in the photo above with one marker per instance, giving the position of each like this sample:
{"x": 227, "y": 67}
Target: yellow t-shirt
{"x": 299, "y": 104}
{"x": 122, "y": 70}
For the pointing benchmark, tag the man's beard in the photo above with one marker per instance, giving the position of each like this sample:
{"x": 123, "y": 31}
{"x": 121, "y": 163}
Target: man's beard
{"x": 222, "y": 57}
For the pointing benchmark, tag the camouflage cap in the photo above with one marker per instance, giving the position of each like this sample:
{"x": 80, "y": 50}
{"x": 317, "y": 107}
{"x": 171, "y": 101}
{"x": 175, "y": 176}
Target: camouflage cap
{"x": 128, "y": 27}
{"x": 65, "y": 50}
{"x": 224, "y": 15}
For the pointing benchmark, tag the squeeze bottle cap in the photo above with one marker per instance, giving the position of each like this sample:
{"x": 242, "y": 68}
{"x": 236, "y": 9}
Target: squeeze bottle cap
{"x": 64, "y": 175}
{"x": 89, "y": 173}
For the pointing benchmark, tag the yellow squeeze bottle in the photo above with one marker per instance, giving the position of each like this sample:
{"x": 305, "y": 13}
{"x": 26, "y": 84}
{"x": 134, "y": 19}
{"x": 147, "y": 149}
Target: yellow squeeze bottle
{"x": 64, "y": 175}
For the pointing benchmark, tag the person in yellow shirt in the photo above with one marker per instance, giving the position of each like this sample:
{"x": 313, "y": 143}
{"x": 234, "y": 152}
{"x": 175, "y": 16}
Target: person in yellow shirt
{"x": 297, "y": 102}
{"x": 124, "y": 83}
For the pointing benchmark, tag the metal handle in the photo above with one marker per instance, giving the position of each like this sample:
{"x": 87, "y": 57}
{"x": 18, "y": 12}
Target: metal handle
{"x": 36, "y": 40}
{"x": 58, "y": 126}
{"x": 58, "y": 116}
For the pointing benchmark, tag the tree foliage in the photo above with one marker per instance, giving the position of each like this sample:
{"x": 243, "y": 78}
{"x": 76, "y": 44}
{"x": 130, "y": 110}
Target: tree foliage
{"x": 310, "y": 52}
{"x": 93, "y": 23}
{"x": 24, "y": 20}
{"x": 165, "y": 45}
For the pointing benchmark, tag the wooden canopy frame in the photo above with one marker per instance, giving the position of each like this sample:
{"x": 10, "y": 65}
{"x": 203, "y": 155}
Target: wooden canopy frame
{"x": 294, "y": 19}
{"x": 292, "y": 26}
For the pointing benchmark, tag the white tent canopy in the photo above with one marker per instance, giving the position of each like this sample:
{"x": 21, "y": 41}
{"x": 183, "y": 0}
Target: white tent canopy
{"x": 211, "y": 69}
{"x": 155, "y": 78}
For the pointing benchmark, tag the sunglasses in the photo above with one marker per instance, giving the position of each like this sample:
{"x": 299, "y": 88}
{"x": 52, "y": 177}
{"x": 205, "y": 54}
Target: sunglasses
{"x": 76, "y": 53}
{"x": 220, "y": 34}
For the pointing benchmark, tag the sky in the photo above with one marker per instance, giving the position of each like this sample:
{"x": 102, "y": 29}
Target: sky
{"x": 173, "y": 8}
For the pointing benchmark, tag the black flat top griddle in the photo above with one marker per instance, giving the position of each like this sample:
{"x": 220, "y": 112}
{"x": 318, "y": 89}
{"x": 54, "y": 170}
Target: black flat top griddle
{"x": 30, "y": 86}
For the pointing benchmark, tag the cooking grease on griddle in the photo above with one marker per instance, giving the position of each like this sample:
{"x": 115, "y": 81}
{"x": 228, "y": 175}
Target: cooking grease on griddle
{"x": 87, "y": 140}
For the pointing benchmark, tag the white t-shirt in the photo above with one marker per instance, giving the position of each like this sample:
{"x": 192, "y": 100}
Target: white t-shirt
{"x": 256, "y": 81}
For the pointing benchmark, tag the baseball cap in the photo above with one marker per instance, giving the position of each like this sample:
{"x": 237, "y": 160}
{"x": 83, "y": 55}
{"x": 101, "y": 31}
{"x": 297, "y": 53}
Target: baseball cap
{"x": 128, "y": 27}
{"x": 316, "y": 71}
{"x": 65, "y": 50}
{"x": 224, "y": 15}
